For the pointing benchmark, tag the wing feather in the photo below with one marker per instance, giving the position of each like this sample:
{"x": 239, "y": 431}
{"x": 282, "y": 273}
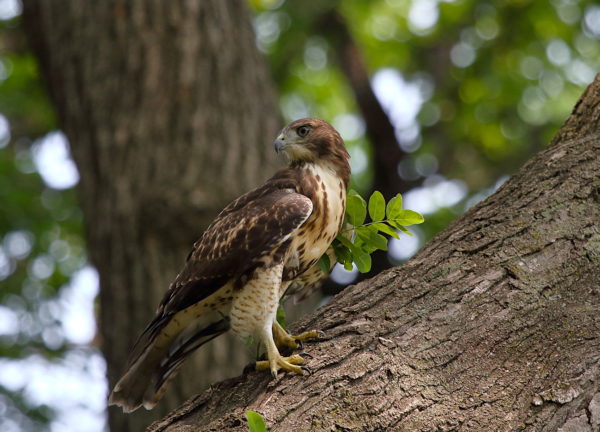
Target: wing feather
{"x": 235, "y": 243}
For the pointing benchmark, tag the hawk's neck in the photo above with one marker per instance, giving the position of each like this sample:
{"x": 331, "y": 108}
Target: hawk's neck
{"x": 316, "y": 179}
{"x": 334, "y": 166}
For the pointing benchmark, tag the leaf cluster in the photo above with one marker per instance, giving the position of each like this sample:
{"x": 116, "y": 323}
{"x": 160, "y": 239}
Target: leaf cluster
{"x": 359, "y": 239}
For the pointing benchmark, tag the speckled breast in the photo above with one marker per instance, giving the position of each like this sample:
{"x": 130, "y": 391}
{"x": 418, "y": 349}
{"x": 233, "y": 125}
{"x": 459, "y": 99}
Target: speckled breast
{"x": 328, "y": 195}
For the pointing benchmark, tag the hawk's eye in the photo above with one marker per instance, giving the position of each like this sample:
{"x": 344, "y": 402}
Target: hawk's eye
{"x": 302, "y": 131}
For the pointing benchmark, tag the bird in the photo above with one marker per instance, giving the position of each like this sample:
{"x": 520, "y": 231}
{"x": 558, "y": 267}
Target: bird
{"x": 258, "y": 246}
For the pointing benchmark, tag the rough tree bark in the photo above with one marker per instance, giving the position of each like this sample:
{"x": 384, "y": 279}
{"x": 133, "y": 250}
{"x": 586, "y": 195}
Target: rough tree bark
{"x": 493, "y": 326}
{"x": 164, "y": 106}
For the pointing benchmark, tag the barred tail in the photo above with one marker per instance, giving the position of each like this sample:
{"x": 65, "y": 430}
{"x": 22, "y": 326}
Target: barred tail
{"x": 158, "y": 355}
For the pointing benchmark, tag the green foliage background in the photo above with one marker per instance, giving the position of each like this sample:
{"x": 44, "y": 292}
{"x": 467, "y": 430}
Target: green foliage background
{"x": 496, "y": 80}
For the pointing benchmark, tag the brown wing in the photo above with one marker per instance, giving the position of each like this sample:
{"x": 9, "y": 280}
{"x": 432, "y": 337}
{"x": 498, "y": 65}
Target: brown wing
{"x": 234, "y": 244}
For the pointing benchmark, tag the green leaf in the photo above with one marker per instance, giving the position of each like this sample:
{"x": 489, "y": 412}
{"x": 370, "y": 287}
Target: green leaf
{"x": 281, "y": 316}
{"x": 362, "y": 260}
{"x": 385, "y": 228}
{"x": 400, "y": 228}
{"x": 345, "y": 241}
{"x": 366, "y": 238}
{"x": 365, "y": 231}
{"x": 408, "y": 217}
{"x": 377, "y": 206}
{"x": 356, "y": 209}
{"x": 256, "y": 422}
{"x": 324, "y": 263}
{"x": 394, "y": 206}
{"x": 370, "y": 237}
{"x": 405, "y": 231}
{"x": 378, "y": 241}
{"x": 343, "y": 255}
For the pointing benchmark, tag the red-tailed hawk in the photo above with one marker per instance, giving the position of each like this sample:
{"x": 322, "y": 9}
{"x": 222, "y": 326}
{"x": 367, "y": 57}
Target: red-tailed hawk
{"x": 258, "y": 246}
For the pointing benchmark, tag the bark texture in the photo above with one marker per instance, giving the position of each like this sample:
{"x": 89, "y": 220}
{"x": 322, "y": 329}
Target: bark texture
{"x": 493, "y": 326}
{"x": 169, "y": 110}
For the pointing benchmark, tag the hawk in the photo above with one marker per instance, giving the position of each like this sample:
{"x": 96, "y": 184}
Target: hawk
{"x": 262, "y": 243}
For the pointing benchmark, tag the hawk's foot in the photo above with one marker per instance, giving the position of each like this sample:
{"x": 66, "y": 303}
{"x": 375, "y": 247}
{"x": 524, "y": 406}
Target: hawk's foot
{"x": 277, "y": 363}
{"x": 285, "y": 340}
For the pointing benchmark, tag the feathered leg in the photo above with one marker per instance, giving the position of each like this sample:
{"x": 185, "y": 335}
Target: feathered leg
{"x": 253, "y": 313}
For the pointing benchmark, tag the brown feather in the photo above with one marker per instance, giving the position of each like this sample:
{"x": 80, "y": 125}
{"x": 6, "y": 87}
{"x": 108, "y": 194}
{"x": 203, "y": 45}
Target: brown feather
{"x": 234, "y": 244}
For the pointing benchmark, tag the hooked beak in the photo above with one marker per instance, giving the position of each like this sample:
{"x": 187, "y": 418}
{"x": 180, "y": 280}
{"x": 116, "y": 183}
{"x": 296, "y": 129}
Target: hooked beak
{"x": 279, "y": 143}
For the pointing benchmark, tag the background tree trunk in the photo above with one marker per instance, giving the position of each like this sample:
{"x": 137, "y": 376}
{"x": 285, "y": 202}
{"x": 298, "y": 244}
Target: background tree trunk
{"x": 170, "y": 111}
{"x": 493, "y": 326}
{"x": 387, "y": 153}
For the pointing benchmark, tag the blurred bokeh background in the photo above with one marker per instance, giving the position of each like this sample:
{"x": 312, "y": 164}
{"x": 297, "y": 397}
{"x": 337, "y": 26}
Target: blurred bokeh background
{"x": 438, "y": 100}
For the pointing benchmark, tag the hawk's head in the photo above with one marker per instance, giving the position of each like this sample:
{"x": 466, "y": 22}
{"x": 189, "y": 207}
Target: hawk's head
{"x": 313, "y": 140}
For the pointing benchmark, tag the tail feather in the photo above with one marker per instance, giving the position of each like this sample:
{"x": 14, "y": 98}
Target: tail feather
{"x": 159, "y": 354}
{"x": 170, "y": 365}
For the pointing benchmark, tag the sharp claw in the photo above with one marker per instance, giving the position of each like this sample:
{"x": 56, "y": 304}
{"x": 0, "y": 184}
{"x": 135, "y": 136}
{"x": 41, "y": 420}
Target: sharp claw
{"x": 307, "y": 369}
{"x": 305, "y": 354}
{"x": 320, "y": 334}
{"x": 300, "y": 343}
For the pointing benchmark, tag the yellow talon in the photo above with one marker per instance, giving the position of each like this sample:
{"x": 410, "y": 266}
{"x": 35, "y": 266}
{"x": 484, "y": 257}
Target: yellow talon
{"x": 279, "y": 338}
{"x": 284, "y": 340}
{"x": 282, "y": 363}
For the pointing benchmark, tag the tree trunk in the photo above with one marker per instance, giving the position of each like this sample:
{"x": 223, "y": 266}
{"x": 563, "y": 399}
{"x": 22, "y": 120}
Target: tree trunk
{"x": 493, "y": 326}
{"x": 169, "y": 110}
